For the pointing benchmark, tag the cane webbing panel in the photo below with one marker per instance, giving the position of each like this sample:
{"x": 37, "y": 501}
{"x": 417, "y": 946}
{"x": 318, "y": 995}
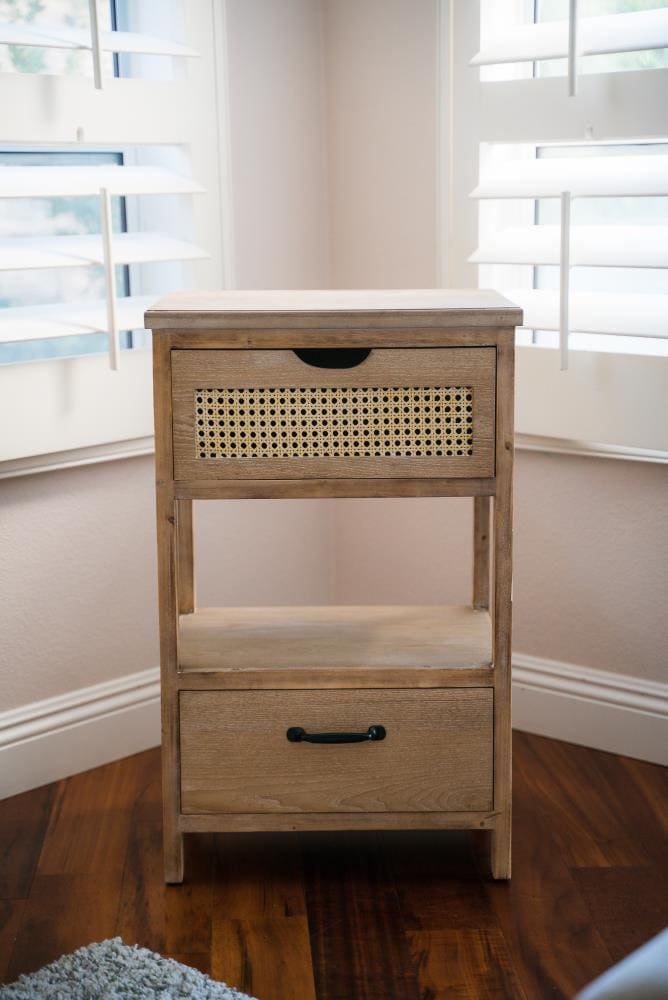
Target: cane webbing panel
{"x": 341, "y": 422}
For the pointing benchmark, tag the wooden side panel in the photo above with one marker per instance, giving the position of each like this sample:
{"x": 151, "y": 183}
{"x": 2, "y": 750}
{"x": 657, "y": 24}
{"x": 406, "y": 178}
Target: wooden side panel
{"x": 436, "y": 757}
{"x": 166, "y": 507}
{"x": 502, "y": 612}
{"x": 471, "y": 367}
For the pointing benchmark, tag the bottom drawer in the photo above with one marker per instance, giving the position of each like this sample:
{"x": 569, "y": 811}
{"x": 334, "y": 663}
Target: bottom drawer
{"x": 436, "y": 755}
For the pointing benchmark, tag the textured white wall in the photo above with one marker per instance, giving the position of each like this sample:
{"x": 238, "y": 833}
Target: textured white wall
{"x": 77, "y": 579}
{"x": 380, "y": 71}
{"x": 276, "y": 100}
{"x": 591, "y": 562}
{"x": 263, "y": 552}
{"x": 403, "y": 551}
{"x": 78, "y": 569}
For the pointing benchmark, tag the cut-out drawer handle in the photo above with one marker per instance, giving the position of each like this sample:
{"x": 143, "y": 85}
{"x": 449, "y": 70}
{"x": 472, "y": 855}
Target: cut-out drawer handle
{"x": 298, "y": 735}
{"x": 334, "y": 357}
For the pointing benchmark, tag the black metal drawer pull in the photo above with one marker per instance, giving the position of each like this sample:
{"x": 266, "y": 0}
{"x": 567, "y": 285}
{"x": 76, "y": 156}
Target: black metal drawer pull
{"x": 298, "y": 735}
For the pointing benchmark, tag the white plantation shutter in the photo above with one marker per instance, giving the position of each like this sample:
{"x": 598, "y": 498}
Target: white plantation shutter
{"x": 62, "y": 37}
{"x": 40, "y": 27}
{"x": 77, "y": 251}
{"x": 620, "y": 246}
{"x": 595, "y": 246}
{"x": 568, "y": 215}
{"x": 144, "y": 150}
{"x": 35, "y": 252}
{"x": 24, "y": 253}
{"x": 603, "y": 313}
{"x": 70, "y": 318}
{"x": 48, "y": 181}
{"x": 621, "y": 176}
{"x": 636, "y": 31}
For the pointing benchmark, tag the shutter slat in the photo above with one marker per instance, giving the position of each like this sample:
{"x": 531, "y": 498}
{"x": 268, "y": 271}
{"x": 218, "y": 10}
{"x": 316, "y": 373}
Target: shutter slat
{"x": 15, "y": 33}
{"x": 131, "y": 42}
{"x": 63, "y": 37}
{"x": 52, "y": 181}
{"x": 635, "y": 31}
{"x": 65, "y": 319}
{"x": 632, "y": 315}
{"x": 76, "y": 251}
{"x": 591, "y": 246}
{"x": 590, "y": 177}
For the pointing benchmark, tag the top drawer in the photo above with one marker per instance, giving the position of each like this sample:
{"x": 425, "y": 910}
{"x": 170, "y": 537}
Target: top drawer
{"x": 270, "y": 414}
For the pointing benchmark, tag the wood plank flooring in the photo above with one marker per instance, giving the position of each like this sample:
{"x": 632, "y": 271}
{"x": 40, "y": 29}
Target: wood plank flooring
{"x": 349, "y": 916}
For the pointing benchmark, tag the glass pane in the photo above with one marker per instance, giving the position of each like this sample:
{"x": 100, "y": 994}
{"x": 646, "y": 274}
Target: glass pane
{"x": 557, "y": 10}
{"x": 52, "y": 16}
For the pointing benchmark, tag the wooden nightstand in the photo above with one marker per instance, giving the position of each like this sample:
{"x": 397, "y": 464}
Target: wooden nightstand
{"x": 335, "y": 718}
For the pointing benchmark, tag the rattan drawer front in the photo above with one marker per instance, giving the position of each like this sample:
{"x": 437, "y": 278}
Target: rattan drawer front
{"x": 436, "y": 756}
{"x": 427, "y": 412}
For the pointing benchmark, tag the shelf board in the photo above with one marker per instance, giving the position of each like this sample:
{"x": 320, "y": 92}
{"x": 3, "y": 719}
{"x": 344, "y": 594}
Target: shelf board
{"x": 357, "y": 646}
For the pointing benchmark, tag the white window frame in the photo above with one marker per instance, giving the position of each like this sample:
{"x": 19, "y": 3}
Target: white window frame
{"x": 68, "y": 411}
{"x": 605, "y": 404}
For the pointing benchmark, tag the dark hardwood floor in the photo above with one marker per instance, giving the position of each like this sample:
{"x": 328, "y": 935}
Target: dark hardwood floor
{"x": 374, "y": 916}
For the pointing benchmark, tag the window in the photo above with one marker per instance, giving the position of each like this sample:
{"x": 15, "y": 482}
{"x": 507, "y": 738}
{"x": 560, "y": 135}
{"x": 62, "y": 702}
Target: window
{"x": 567, "y": 190}
{"x": 31, "y": 234}
{"x": 632, "y": 36}
{"x": 60, "y": 37}
{"x": 108, "y": 200}
{"x": 53, "y": 284}
{"x": 615, "y": 281}
{"x": 619, "y": 259}
{"x": 538, "y": 38}
{"x": 40, "y": 37}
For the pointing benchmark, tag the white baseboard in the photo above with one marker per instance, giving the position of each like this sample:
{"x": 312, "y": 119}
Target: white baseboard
{"x": 593, "y": 708}
{"x": 51, "y": 739}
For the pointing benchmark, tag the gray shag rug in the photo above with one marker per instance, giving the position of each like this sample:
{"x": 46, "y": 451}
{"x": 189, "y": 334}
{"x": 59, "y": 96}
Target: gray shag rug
{"x": 112, "y": 970}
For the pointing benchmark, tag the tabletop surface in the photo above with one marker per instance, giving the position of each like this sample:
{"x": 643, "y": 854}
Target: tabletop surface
{"x": 470, "y": 306}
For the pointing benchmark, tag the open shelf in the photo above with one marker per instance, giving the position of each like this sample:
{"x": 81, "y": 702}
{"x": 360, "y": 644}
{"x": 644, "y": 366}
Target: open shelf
{"x": 396, "y": 645}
